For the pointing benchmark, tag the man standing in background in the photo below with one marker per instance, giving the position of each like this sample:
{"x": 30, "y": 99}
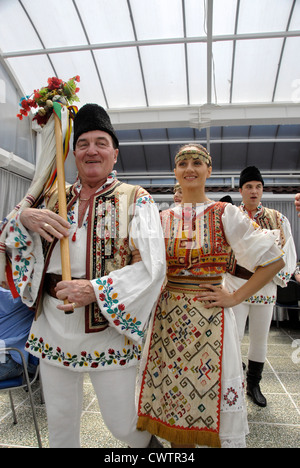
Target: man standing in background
{"x": 259, "y": 308}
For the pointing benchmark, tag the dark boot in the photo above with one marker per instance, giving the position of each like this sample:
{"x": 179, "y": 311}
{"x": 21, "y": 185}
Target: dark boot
{"x": 155, "y": 443}
{"x": 254, "y": 374}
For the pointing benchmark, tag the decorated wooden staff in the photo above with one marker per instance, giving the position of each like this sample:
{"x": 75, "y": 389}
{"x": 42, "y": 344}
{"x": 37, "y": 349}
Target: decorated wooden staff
{"x": 62, "y": 202}
{"x": 54, "y": 114}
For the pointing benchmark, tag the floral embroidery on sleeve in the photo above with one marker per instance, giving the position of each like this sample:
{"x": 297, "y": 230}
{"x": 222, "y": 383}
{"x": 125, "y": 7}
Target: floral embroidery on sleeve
{"x": 115, "y": 309}
{"x": 143, "y": 200}
{"x": 22, "y": 262}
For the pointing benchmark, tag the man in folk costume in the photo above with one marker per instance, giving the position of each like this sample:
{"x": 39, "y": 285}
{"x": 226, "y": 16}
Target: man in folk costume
{"x": 94, "y": 323}
{"x": 259, "y": 307}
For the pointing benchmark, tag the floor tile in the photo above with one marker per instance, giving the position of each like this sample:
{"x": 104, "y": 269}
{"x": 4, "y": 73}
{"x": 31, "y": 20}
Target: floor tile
{"x": 276, "y": 426}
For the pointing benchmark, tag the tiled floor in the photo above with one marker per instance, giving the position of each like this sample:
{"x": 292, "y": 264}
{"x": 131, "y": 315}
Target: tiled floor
{"x": 276, "y": 426}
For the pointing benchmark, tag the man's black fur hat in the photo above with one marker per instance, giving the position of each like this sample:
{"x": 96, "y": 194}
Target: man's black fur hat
{"x": 250, "y": 173}
{"x": 93, "y": 117}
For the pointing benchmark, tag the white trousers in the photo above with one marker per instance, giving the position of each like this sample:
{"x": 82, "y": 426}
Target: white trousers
{"x": 115, "y": 390}
{"x": 260, "y": 317}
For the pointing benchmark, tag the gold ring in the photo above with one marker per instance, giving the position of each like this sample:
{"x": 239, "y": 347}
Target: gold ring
{"x": 74, "y": 305}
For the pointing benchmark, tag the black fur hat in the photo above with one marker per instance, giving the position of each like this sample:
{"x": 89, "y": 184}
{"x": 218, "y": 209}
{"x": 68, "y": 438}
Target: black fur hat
{"x": 93, "y": 117}
{"x": 250, "y": 173}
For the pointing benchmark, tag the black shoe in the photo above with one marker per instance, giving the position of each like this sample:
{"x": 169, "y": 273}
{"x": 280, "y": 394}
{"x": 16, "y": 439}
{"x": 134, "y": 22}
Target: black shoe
{"x": 155, "y": 443}
{"x": 257, "y": 396}
{"x": 254, "y": 374}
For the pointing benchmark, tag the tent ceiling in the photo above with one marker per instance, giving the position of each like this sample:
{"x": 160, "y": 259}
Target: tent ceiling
{"x": 222, "y": 72}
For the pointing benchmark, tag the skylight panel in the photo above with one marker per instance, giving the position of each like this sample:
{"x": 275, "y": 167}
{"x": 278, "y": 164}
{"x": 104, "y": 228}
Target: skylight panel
{"x": 23, "y": 68}
{"x": 195, "y": 18}
{"x": 106, "y": 21}
{"x": 57, "y": 22}
{"x": 256, "y": 63}
{"x": 222, "y": 65}
{"x": 164, "y": 69}
{"x": 224, "y": 16}
{"x": 69, "y": 64}
{"x": 196, "y": 54}
{"x": 157, "y": 19}
{"x": 288, "y": 86}
{"x": 263, "y": 15}
{"x": 121, "y": 77}
{"x": 23, "y": 36}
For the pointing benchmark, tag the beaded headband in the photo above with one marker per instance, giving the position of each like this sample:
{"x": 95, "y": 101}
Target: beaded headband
{"x": 195, "y": 153}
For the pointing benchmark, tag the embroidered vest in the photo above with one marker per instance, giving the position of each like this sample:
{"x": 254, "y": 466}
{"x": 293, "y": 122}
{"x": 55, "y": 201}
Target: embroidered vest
{"x": 196, "y": 243}
{"x": 267, "y": 218}
{"x": 271, "y": 219}
{"x": 110, "y": 213}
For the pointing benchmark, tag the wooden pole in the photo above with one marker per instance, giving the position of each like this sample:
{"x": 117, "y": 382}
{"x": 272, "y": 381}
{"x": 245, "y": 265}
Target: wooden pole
{"x": 62, "y": 202}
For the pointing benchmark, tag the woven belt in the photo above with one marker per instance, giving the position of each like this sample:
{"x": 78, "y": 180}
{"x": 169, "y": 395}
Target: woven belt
{"x": 191, "y": 283}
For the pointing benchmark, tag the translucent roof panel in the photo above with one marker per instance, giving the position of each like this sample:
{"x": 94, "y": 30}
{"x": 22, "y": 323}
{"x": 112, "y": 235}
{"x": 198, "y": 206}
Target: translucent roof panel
{"x": 288, "y": 86}
{"x": 165, "y": 77}
{"x": 224, "y": 16}
{"x": 155, "y": 53}
{"x": 70, "y": 63}
{"x": 105, "y": 21}
{"x": 257, "y": 16}
{"x": 197, "y": 66}
{"x": 157, "y": 19}
{"x": 222, "y": 63}
{"x": 23, "y": 69}
{"x": 195, "y": 18}
{"x": 185, "y": 67}
{"x": 53, "y": 28}
{"x": 114, "y": 64}
{"x": 256, "y": 63}
{"x": 16, "y": 32}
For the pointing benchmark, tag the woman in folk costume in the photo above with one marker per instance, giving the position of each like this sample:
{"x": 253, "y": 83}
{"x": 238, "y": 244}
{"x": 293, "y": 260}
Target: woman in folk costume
{"x": 110, "y": 298}
{"x": 192, "y": 378}
{"x": 259, "y": 307}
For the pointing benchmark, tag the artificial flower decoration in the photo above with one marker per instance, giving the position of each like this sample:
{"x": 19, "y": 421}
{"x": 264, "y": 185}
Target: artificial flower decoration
{"x": 42, "y": 99}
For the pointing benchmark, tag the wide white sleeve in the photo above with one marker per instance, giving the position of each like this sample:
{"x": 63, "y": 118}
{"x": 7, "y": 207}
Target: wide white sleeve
{"x": 252, "y": 246}
{"x": 27, "y": 262}
{"x": 290, "y": 256}
{"x": 126, "y": 296}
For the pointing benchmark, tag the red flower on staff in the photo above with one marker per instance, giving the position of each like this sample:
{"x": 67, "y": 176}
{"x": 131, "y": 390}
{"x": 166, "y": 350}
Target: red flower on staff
{"x": 54, "y": 83}
{"x": 56, "y": 90}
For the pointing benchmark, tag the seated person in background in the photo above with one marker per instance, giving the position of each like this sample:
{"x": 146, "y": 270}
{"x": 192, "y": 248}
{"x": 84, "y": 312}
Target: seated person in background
{"x": 15, "y": 323}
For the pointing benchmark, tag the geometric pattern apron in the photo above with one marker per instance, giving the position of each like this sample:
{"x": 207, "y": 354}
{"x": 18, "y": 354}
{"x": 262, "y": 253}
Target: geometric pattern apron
{"x": 181, "y": 385}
